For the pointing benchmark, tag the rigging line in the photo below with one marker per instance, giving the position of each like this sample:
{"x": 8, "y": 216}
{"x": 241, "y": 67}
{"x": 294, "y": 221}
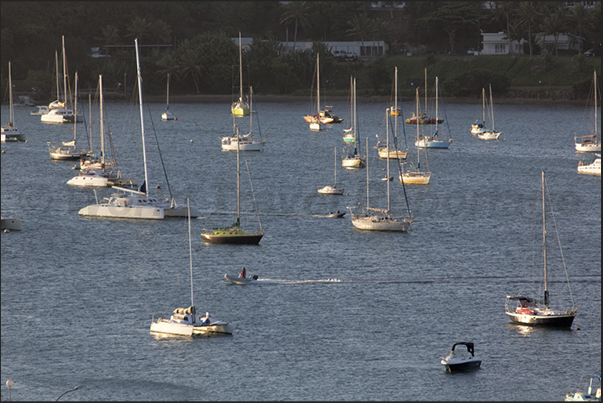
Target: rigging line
{"x": 444, "y": 108}
{"x": 159, "y": 150}
{"x": 253, "y": 193}
{"x": 559, "y": 242}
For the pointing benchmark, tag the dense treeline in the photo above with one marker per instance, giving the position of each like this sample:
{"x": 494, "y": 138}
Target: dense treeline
{"x": 203, "y": 59}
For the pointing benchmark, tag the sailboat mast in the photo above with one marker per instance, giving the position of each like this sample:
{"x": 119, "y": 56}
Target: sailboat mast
{"x": 425, "y": 91}
{"x": 238, "y": 177}
{"x": 56, "y": 62}
{"x": 64, "y": 70}
{"x": 595, "y": 92}
{"x": 367, "y": 180}
{"x": 387, "y": 111}
{"x": 491, "y": 106}
{"x": 144, "y": 153}
{"x": 317, "y": 85}
{"x": 546, "y": 291}
{"x": 436, "y": 102}
{"x": 190, "y": 248}
{"x": 240, "y": 69}
{"x": 167, "y": 102}
{"x": 417, "y": 107}
{"x": 10, "y": 94}
{"x": 102, "y": 114}
{"x": 335, "y": 186}
{"x": 250, "y": 109}
{"x": 483, "y": 105}
{"x": 395, "y": 105}
{"x": 355, "y": 121}
{"x": 75, "y": 117}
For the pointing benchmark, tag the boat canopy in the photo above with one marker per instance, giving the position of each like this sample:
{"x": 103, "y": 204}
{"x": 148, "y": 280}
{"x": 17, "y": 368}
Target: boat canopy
{"x": 470, "y": 347}
{"x": 185, "y": 311}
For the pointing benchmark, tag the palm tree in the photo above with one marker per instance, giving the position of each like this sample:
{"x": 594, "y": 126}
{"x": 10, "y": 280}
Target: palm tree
{"x": 554, "y": 24}
{"x": 361, "y": 26}
{"x": 296, "y": 11}
{"x": 506, "y": 11}
{"x": 530, "y": 15}
{"x": 139, "y": 28}
{"x": 109, "y": 35}
{"x": 161, "y": 31}
{"x": 190, "y": 65}
{"x": 580, "y": 20}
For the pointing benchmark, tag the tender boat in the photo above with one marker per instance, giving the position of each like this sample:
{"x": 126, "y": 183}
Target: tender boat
{"x": 237, "y": 279}
{"x": 461, "y": 360}
{"x": 336, "y": 214}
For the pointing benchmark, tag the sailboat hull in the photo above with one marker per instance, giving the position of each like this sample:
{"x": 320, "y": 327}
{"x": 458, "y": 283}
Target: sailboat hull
{"x": 232, "y": 237}
{"x": 330, "y": 190}
{"x": 552, "y": 320}
{"x": 384, "y": 224}
{"x": 416, "y": 178}
{"x": 432, "y": 144}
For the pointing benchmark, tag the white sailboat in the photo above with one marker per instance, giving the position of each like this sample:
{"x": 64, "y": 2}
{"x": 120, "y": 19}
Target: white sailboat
{"x": 393, "y": 151}
{"x": 237, "y": 142}
{"x": 240, "y": 107}
{"x": 353, "y": 158}
{"x": 479, "y": 126}
{"x": 67, "y": 150}
{"x": 332, "y": 190}
{"x": 529, "y": 311}
{"x": 167, "y": 114}
{"x": 489, "y": 134}
{"x": 186, "y": 321}
{"x": 9, "y": 130}
{"x": 100, "y": 173}
{"x": 422, "y": 118}
{"x": 137, "y": 204}
{"x": 315, "y": 121}
{"x": 58, "y": 111}
{"x": 434, "y": 141}
{"x": 592, "y": 142}
{"x": 380, "y": 219}
{"x": 414, "y": 174}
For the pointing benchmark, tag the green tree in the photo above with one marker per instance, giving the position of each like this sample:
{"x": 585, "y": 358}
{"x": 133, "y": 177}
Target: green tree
{"x": 109, "y": 35}
{"x": 530, "y": 16}
{"x": 452, "y": 16}
{"x": 139, "y": 28}
{"x": 546, "y": 64}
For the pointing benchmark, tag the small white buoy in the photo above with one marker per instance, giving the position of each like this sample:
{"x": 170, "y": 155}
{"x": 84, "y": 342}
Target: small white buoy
{"x": 3, "y": 151}
{"x": 27, "y": 141}
{"x": 192, "y": 141}
{"x": 6, "y": 231}
{"x": 167, "y": 199}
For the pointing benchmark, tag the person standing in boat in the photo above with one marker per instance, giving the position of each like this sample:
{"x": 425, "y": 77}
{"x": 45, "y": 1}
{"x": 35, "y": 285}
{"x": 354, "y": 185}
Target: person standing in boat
{"x": 242, "y": 275}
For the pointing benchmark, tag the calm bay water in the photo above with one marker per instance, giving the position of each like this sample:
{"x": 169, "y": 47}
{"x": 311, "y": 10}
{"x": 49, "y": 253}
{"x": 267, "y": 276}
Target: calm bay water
{"x": 349, "y": 315}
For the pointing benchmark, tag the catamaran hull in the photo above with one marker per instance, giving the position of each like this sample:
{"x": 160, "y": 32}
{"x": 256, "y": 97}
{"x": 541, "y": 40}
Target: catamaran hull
{"x": 135, "y": 212}
{"x": 563, "y": 320}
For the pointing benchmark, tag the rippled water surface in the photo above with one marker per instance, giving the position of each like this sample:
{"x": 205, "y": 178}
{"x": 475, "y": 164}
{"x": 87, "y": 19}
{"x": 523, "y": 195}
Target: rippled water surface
{"x": 342, "y": 314}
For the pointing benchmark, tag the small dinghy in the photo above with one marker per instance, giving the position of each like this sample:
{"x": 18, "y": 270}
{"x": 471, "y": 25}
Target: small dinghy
{"x": 336, "y": 214}
{"x": 237, "y": 279}
{"x": 461, "y": 360}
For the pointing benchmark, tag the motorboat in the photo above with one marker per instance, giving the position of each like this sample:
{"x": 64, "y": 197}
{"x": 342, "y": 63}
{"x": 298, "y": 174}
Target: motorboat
{"x": 42, "y": 110}
{"x": 337, "y": 214}
{"x": 585, "y": 397}
{"x": 461, "y": 359}
{"x": 488, "y": 135}
{"x": 593, "y": 168}
{"x": 237, "y": 279}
